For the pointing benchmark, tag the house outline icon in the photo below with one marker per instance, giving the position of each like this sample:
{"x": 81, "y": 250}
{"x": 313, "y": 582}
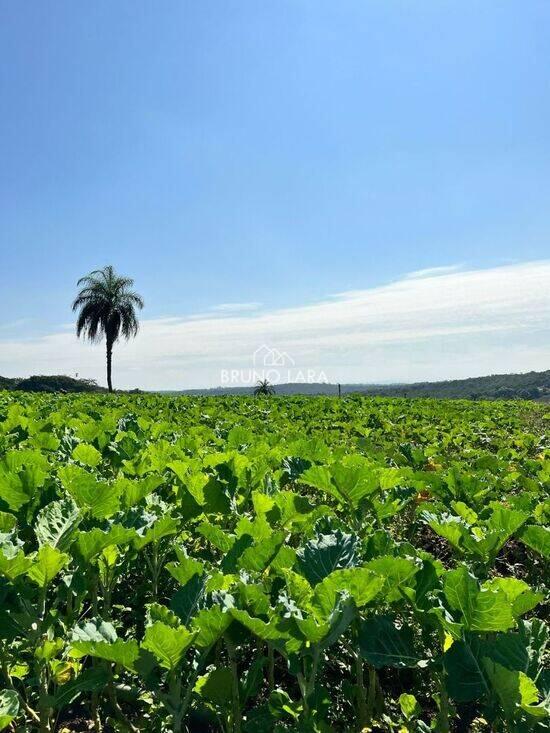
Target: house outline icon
{"x": 270, "y": 357}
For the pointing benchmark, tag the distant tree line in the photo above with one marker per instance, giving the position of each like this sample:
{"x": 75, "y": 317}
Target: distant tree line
{"x": 528, "y": 386}
{"x": 51, "y": 383}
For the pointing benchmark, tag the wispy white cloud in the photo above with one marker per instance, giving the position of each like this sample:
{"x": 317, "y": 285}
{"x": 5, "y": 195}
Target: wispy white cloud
{"x": 236, "y": 307}
{"x": 17, "y": 324}
{"x": 433, "y": 271}
{"x": 449, "y": 324}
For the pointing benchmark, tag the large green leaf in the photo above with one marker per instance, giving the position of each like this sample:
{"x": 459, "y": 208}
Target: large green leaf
{"x": 125, "y": 653}
{"x": 87, "y": 454}
{"x": 398, "y": 574}
{"x": 98, "y": 498}
{"x": 294, "y": 510}
{"x": 483, "y": 540}
{"x": 298, "y": 588}
{"x": 163, "y": 527}
{"x": 185, "y": 569}
{"x": 95, "y": 630}
{"x": 98, "y": 638}
{"x": 383, "y": 644}
{"x": 217, "y": 537}
{"x": 46, "y": 565}
{"x": 230, "y": 561}
{"x": 56, "y": 522}
{"x": 258, "y": 528}
{"x": 537, "y": 538}
{"x": 450, "y": 528}
{"x": 478, "y": 610}
{"x": 167, "y": 644}
{"x": 9, "y": 707}
{"x": 466, "y": 679}
{"x": 471, "y": 674}
{"x": 210, "y": 624}
{"x": 409, "y": 706}
{"x": 90, "y": 680}
{"x": 158, "y": 612}
{"x": 15, "y": 564}
{"x": 358, "y": 583}
{"x": 518, "y": 593}
{"x": 312, "y": 630}
{"x": 7, "y": 522}
{"x": 267, "y": 631}
{"x": 355, "y": 478}
{"x": 258, "y": 557}
{"x": 326, "y": 553}
{"x": 524, "y": 650}
{"x": 133, "y": 491}
{"x": 216, "y": 687}
{"x": 89, "y": 544}
{"x": 349, "y": 480}
{"x": 515, "y": 690}
{"x": 507, "y": 521}
{"x": 12, "y": 492}
{"x": 187, "y": 599}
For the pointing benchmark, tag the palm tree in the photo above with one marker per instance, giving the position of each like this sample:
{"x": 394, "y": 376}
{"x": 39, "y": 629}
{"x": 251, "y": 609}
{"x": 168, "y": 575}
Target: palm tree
{"x": 263, "y": 387}
{"x": 107, "y": 306}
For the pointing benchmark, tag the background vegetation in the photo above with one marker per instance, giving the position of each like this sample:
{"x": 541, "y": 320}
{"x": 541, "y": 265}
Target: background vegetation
{"x": 256, "y": 565}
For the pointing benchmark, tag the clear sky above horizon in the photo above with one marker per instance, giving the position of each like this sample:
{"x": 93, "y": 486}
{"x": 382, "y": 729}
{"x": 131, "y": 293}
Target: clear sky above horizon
{"x": 246, "y": 162}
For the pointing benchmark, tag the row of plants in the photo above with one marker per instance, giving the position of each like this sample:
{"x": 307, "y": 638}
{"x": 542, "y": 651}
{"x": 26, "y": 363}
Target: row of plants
{"x": 284, "y": 564}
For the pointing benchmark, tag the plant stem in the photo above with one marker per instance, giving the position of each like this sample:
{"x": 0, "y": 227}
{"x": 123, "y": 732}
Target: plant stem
{"x": 69, "y": 603}
{"x": 119, "y": 713}
{"x": 443, "y": 716}
{"x": 362, "y": 710}
{"x": 175, "y": 696}
{"x": 107, "y": 601}
{"x": 371, "y": 693}
{"x": 307, "y": 684}
{"x": 236, "y": 706}
{"x": 313, "y": 675}
{"x": 192, "y": 680}
{"x": 270, "y": 667}
{"x": 303, "y": 690}
{"x": 155, "y": 568}
{"x": 44, "y": 710}
{"x": 94, "y": 703}
{"x": 42, "y": 603}
{"x": 95, "y": 712}
{"x": 93, "y": 592}
{"x": 43, "y": 707}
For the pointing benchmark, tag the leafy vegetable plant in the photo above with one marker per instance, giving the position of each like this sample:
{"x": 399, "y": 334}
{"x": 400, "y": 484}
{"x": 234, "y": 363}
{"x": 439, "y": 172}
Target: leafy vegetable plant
{"x": 302, "y": 564}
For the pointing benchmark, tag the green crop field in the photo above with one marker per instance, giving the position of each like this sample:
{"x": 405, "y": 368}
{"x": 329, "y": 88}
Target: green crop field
{"x": 273, "y": 564}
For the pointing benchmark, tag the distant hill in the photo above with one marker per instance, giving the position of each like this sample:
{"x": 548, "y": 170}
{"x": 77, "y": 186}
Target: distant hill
{"x": 528, "y": 386}
{"x": 50, "y": 383}
{"x": 8, "y": 383}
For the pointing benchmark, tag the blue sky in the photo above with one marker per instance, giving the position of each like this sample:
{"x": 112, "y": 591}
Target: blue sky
{"x": 272, "y": 153}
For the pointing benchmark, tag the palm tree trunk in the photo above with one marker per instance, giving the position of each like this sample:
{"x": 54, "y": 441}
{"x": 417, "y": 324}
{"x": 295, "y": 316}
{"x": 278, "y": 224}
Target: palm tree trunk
{"x": 109, "y": 363}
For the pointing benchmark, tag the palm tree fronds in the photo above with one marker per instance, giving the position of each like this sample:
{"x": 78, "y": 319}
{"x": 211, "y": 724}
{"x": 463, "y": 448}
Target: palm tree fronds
{"x": 107, "y": 308}
{"x": 263, "y": 387}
